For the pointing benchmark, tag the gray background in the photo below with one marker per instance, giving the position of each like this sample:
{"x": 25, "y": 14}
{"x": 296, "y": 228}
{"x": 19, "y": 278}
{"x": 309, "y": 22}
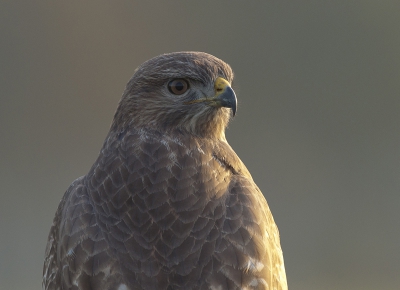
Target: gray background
{"x": 318, "y": 84}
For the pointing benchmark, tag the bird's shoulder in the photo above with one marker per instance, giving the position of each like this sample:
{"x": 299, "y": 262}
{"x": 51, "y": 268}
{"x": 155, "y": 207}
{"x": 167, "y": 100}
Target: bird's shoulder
{"x": 76, "y": 249}
{"x": 51, "y": 273}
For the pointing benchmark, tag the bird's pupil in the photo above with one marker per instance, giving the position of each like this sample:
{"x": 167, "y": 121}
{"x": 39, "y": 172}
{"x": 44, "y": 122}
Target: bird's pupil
{"x": 179, "y": 86}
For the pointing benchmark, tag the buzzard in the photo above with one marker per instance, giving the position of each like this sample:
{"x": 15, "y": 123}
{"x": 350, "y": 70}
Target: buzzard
{"x": 167, "y": 204}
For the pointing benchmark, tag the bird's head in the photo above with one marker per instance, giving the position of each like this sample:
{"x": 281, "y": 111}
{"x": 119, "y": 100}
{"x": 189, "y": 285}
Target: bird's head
{"x": 186, "y": 91}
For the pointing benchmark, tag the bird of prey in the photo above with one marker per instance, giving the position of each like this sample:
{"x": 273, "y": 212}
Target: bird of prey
{"x": 167, "y": 204}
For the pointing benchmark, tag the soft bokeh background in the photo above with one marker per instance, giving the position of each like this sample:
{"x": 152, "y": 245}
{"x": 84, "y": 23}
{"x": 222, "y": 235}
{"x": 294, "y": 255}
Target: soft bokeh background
{"x": 318, "y": 84}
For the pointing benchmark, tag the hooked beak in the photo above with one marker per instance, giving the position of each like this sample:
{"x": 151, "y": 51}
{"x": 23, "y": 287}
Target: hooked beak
{"x": 224, "y": 96}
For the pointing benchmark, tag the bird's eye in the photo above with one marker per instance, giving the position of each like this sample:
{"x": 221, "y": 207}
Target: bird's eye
{"x": 178, "y": 86}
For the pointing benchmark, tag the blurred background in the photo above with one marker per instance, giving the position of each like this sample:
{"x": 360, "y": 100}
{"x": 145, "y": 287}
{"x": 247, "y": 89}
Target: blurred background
{"x": 318, "y": 84}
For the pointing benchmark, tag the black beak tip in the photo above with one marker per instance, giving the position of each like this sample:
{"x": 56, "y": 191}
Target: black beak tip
{"x": 234, "y": 109}
{"x": 229, "y": 100}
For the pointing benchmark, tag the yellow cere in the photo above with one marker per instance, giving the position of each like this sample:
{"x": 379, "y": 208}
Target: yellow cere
{"x": 220, "y": 85}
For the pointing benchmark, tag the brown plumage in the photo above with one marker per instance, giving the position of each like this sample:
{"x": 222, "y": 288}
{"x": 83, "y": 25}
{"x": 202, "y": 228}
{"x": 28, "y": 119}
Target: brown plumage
{"x": 168, "y": 204}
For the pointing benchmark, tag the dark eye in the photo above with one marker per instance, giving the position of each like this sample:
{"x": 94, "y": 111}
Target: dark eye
{"x": 178, "y": 86}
